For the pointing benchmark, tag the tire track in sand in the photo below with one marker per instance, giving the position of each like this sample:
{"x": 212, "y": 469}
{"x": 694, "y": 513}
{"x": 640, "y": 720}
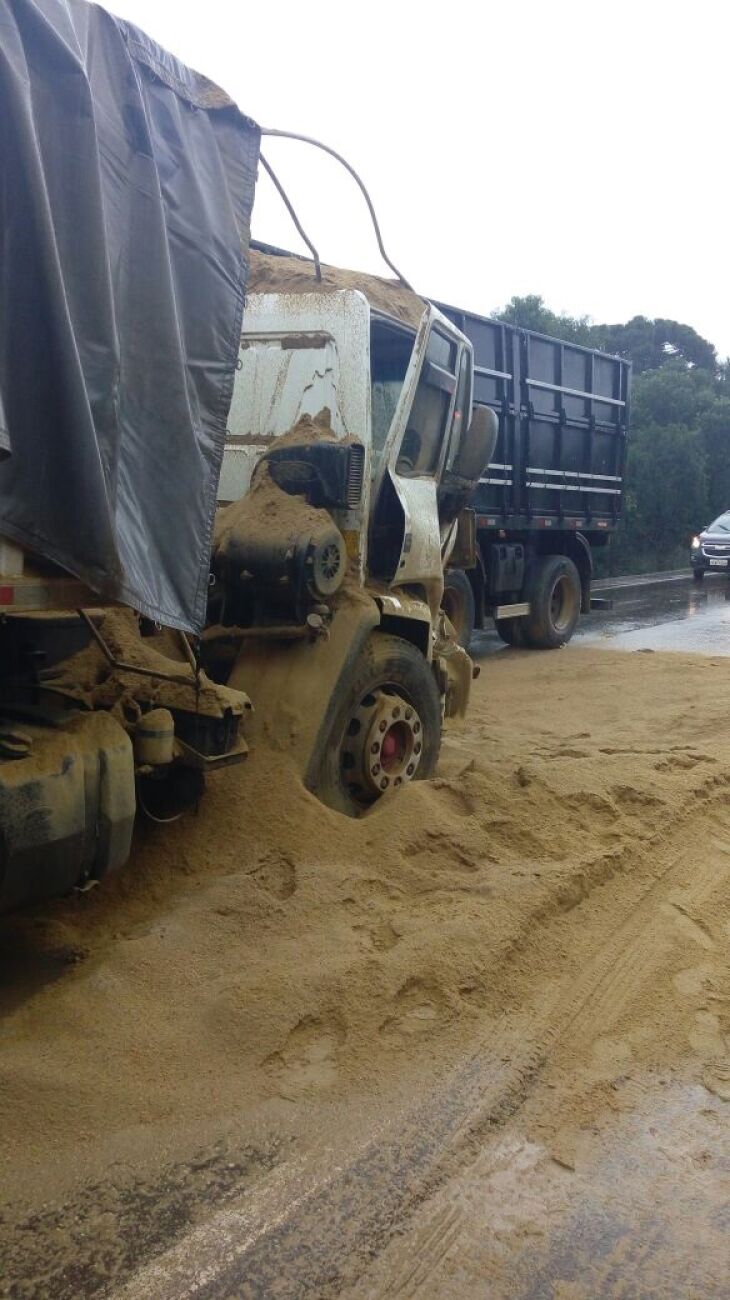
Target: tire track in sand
{"x": 625, "y": 965}
{"x": 319, "y": 1238}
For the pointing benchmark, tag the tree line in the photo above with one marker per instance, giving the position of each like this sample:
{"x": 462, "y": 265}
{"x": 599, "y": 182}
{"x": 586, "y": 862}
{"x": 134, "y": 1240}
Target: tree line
{"x": 678, "y": 467}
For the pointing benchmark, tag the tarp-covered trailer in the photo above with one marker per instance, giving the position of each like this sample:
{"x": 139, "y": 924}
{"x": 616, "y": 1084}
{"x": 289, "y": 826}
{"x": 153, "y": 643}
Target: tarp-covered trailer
{"x": 126, "y": 188}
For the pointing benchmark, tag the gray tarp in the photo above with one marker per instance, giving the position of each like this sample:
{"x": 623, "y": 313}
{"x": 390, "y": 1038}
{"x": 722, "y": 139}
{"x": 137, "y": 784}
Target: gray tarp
{"x": 126, "y": 188}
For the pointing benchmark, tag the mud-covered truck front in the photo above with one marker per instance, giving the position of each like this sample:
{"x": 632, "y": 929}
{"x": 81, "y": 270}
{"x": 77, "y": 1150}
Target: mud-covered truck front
{"x": 351, "y": 455}
{"x": 126, "y": 187}
{"x": 553, "y": 491}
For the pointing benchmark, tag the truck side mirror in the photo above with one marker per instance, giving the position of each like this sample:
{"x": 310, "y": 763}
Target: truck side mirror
{"x": 472, "y": 456}
{"x": 477, "y": 446}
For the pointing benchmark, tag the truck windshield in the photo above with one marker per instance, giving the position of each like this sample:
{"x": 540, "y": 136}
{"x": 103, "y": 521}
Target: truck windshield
{"x": 391, "y": 346}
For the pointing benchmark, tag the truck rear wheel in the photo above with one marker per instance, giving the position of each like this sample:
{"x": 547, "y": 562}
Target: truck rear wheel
{"x": 387, "y": 729}
{"x": 457, "y": 603}
{"x": 554, "y": 594}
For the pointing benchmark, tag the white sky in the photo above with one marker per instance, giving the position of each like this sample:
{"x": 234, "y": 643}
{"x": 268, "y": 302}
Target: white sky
{"x": 575, "y": 150}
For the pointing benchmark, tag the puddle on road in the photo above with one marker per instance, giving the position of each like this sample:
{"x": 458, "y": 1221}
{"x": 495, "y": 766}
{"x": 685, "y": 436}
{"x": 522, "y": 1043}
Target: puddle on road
{"x": 679, "y": 615}
{"x": 647, "y": 1201}
{"x": 673, "y": 616}
{"x": 637, "y": 1206}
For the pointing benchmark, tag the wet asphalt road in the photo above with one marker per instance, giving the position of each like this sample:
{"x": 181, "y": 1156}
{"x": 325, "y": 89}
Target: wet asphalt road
{"x": 673, "y": 614}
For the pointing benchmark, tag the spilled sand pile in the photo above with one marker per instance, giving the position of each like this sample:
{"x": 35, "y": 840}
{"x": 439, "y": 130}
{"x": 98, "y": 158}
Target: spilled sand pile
{"x": 261, "y": 965}
{"x": 269, "y": 273}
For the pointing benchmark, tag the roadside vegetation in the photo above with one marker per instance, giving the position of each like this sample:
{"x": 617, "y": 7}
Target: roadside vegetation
{"x": 678, "y": 470}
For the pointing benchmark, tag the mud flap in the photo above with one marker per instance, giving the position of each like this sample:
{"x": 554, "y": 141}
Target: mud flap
{"x": 454, "y": 670}
{"x": 293, "y": 685}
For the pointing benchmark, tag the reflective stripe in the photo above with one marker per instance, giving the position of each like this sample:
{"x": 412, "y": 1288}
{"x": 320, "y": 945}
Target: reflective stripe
{"x": 575, "y": 392}
{"x": 575, "y": 487}
{"x": 492, "y": 374}
{"x": 572, "y": 473}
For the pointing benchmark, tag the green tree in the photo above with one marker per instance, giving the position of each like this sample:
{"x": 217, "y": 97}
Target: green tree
{"x": 715, "y": 439}
{"x": 651, "y": 344}
{"x": 668, "y": 472}
{"x": 531, "y": 313}
{"x": 671, "y": 395}
{"x": 666, "y": 499}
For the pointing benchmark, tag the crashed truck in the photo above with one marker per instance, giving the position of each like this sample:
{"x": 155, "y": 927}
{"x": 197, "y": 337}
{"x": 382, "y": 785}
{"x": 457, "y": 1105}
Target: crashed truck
{"x": 156, "y": 614}
{"x": 554, "y": 493}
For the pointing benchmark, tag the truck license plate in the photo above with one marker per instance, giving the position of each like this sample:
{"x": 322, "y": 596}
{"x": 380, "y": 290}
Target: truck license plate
{"x": 722, "y": 563}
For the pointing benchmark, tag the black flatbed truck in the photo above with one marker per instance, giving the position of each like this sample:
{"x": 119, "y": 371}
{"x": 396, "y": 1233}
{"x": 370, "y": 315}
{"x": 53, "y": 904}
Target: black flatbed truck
{"x": 554, "y": 489}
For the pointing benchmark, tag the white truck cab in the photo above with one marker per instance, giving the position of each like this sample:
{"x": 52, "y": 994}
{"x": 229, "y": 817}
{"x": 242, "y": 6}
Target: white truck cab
{"x": 328, "y": 599}
{"x": 403, "y": 395}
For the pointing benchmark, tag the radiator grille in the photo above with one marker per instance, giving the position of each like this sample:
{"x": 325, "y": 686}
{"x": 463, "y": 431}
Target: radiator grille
{"x": 355, "y": 475}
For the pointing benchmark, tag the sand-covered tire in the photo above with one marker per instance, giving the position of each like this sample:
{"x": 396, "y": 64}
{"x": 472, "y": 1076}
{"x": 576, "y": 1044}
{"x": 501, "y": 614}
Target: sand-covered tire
{"x": 387, "y": 727}
{"x": 457, "y": 603}
{"x": 554, "y": 593}
{"x": 511, "y": 631}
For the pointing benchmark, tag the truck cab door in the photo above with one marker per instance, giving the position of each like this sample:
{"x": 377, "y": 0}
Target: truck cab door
{"x": 406, "y": 533}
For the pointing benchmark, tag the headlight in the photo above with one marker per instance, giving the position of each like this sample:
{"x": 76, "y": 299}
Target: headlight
{"x": 695, "y": 543}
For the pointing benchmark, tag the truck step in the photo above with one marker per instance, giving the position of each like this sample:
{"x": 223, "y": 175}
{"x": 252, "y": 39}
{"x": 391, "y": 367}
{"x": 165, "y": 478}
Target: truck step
{"x": 519, "y": 610}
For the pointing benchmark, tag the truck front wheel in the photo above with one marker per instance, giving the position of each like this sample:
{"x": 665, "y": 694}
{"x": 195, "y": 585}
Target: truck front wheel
{"x": 387, "y": 728}
{"x": 554, "y": 594}
{"x": 457, "y": 603}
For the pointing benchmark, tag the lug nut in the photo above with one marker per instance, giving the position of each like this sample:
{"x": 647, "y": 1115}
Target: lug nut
{"x": 410, "y": 769}
{"x": 416, "y": 726}
{"x": 384, "y": 783}
{"x": 396, "y": 711}
{"x": 417, "y": 747}
{"x": 374, "y": 747}
{"x": 408, "y": 714}
{"x": 375, "y": 769}
{"x": 383, "y": 726}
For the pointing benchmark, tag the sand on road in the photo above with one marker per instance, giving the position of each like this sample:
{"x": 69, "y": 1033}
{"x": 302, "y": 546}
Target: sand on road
{"x": 268, "y": 981}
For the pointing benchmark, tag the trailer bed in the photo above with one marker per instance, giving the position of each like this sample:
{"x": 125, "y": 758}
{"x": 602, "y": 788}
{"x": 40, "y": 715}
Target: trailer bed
{"x": 563, "y": 416}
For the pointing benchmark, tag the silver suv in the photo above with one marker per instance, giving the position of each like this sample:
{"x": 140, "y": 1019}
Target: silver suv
{"x": 711, "y": 549}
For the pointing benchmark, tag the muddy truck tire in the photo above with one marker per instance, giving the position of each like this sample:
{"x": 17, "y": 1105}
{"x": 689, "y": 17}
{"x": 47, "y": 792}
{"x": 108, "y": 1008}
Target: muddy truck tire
{"x": 387, "y": 728}
{"x": 457, "y": 603}
{"x": 554, "y": 593}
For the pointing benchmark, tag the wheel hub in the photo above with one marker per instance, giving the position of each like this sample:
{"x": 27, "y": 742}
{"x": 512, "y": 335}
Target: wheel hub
{"x": 561, "y": 604}
{"x": 383, "y": 744}
{"x": 556, "y": 601}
